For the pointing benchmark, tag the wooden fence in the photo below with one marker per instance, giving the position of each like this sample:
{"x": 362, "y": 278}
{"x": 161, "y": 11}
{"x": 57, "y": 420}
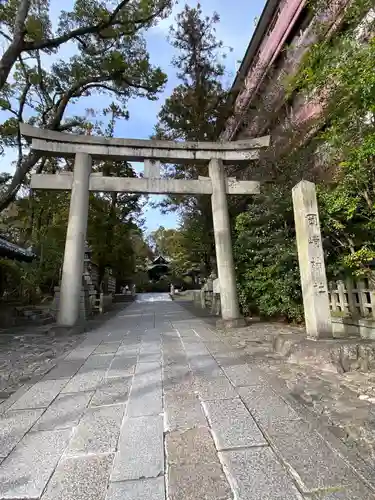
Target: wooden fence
{"x": 354, "y": 298}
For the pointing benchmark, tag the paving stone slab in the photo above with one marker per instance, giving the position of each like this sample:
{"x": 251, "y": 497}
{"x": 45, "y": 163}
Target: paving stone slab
{"x": 180, "y": 384}
{"x": 195, "y": 352}
{"x": 146, "y": 397}
{"x": 127, "y": 351}
{"x": 336, "y": 495}
{"x": 64, "y": 369}
{"x": 231, "y": 359}
{"x": 187, "y": 332}
{"x": 81, "y": 353}
{"x": 149, "y": 357}
{"x": 175, "y": 360}
{"x": 174, "y": 355}
{"x": 80, "y": 478}
{"x": 150, "y": 347}
{"x": 132, "y": 339}
{"x": 107, "y": 347}
{"x": 183, "y": 411}
{"x": 205, "y": 365}
{"x": 267, "y": 407}
{"x": 192, "y": 446}
{"x": 170, "y": 339}
{"x": 13, "y": 426}
{"x": 90, "y": 375}
{"x": 355, "y": 491}
{"x": 97, "y": 361}
{"x": 26, "y": 471}
{"x": 84, "y": 382}
{"x": 232, "y": 425}
{"x": 182, "y": 387}
{"x": 141, "y": 451}
{"x": 149, "y": 368}
{"x": 65, "y": 412}
{"x": 216, "y": 387}
{"x": 255, "y": 473}
{"x": 198, "y": 481}
{"x": 122, "y": 366}
{"x": 308, "y": 456}
{"x": 175, "y": 374}
{"x": 112, "y": 391}
{"x": 118, "y": 333}
{"x": 98, "y": 431}
{"x": 193, "y": 341}
{"x": 243, "y": 374}
{"x": 147, "y": 489}
{"x": 40, "y": 395}
{"x": 217, "y": 347}
{"x": 6, "y": 405}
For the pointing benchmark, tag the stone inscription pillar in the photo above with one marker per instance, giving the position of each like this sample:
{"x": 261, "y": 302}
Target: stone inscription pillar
{"x": 71, "y": 280}
{"x": 311, "y": 261}
{"x": 224, "y": 256}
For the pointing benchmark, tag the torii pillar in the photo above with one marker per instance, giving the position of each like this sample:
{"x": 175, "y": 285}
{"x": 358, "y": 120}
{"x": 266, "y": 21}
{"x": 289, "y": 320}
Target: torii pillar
{"x": 230, "y": 311}
{"x": 71, "y": 279}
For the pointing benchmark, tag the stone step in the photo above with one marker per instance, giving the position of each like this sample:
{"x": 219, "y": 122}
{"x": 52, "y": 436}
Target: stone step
{"x": 123, "y": 298}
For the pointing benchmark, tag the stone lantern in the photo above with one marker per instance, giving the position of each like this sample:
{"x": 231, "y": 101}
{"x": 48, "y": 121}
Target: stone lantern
{"x": 87, "y": 263}
{"x": 88, "y": 278}
{"x": 88, "y": 293}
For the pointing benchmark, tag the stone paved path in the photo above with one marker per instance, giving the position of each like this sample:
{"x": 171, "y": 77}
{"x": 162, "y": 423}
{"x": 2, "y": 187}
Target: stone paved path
{"x": 154, "y": 405}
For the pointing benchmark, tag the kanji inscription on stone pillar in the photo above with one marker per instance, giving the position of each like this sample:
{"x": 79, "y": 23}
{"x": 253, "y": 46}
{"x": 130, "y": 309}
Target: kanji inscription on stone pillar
{"x": 311, "y": 261}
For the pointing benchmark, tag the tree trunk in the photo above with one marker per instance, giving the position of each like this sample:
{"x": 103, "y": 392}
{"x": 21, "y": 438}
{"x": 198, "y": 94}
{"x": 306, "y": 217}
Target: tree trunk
{"x": 8, "y": 60}
{"x": 22, "y": 169}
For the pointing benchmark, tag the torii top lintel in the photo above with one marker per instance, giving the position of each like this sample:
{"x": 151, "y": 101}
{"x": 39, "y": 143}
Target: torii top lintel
{"x": 61, "y": 144}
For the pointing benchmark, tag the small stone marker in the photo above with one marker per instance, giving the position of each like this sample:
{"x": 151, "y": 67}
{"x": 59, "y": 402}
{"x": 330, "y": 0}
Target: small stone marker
{"x": 311, "y": 261}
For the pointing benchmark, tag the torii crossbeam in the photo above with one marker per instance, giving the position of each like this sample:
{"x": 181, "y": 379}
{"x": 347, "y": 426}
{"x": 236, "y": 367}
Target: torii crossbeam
{"x": 82, "y": 180}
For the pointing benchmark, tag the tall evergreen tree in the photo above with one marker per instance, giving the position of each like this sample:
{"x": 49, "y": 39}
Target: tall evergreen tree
{"x": 194, "y": 112}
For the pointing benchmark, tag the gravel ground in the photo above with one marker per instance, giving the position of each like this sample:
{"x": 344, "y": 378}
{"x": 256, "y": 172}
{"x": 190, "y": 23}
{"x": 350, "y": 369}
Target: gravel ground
{"x": 32, "y": 351}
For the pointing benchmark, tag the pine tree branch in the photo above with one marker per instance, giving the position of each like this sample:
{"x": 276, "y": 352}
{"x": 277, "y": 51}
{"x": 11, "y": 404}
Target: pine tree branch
{"x": 53, "y": 43}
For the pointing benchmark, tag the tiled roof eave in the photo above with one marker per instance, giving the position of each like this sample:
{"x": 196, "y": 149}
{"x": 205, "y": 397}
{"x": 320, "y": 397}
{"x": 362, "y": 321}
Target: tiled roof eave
{"x": 15, "y": 250}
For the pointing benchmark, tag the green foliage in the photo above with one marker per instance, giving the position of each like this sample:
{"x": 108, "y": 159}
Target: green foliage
{"x": 348, "y": 211}
{"x": 337, "y": 74}
{"x": 266, "y": 258}
{"x": 341, "y": 71}
{"x": 106, "y": 55}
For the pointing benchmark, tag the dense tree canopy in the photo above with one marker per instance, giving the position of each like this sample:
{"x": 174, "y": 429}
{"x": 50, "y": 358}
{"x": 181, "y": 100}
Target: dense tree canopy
{"x": 105, "y": 54}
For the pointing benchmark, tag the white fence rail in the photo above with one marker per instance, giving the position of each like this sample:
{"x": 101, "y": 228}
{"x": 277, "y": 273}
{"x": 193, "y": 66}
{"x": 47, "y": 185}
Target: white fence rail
{"x": 354, "y": 298}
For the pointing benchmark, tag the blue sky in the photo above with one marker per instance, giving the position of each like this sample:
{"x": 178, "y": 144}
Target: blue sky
{"x": 235, "y": 29}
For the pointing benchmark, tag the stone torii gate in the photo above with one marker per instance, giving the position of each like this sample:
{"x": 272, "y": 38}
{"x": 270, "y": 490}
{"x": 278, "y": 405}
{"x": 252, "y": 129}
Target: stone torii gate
{"x": 86, "y": 148}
